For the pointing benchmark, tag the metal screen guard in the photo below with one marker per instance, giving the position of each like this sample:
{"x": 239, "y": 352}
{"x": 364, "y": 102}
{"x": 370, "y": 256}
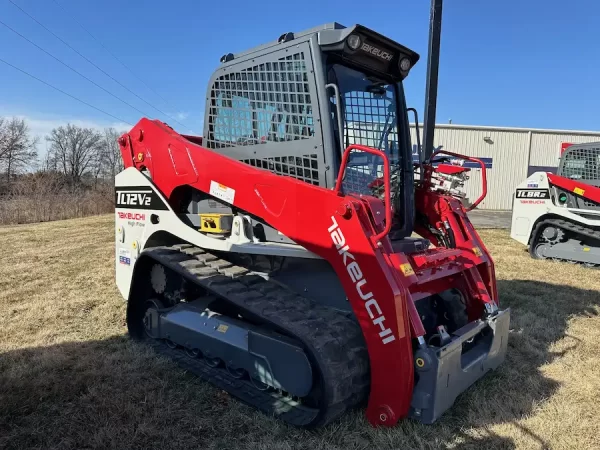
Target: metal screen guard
{"x": 483, "y": 174}
{"x": 386, "y": 183}
{"x": 582, "y": 163}
{"x": 369, "y": 107}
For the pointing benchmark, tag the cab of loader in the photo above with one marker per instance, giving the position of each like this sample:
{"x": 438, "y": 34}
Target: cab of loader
{"x": 293, "y": 106}
{"x": 581, "y": 162}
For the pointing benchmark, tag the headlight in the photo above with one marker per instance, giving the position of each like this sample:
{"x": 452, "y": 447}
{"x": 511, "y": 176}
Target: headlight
{"x": 404, "y": 64}
{"x": 353, "y": 41}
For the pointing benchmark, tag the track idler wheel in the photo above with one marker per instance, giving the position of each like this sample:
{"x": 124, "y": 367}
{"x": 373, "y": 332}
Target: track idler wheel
{"x": 545, "y": 239}
{"x": 538, "y": 250}
{"x": 151, "y": 316}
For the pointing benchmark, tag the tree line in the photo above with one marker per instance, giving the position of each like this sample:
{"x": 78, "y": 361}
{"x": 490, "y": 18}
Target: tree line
{"x": 73, "y": 178}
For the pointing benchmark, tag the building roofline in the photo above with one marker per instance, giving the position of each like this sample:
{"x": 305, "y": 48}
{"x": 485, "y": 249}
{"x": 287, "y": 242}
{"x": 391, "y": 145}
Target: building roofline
{"x": 515, "y": 129}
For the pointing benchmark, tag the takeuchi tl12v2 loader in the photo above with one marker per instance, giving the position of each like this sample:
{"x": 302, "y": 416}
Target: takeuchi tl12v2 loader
{"x": 273, "y": 256}
{"x": 558, "y": 215}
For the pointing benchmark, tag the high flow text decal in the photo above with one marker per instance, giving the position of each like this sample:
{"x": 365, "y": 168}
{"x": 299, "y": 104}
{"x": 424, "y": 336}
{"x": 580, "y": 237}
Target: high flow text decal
{"x": 134, "y": 197}
{"x": 360, "y": 283}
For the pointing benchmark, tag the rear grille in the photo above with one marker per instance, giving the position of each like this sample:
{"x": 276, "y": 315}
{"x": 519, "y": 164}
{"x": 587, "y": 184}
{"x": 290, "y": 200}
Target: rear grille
{"x": 267, "y": 102}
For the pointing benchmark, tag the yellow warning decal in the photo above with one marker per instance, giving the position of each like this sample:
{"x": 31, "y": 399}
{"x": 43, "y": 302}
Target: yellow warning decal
{"x": 586, "y": 249}
{"x": 407, "y": 269}
{"x": 579, "y": 191}
{"x": 222, "y": 328}
{"x": 477, "y": 251}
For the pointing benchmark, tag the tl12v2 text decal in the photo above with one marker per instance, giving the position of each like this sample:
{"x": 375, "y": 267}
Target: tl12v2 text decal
{"x": 138, "y": 197}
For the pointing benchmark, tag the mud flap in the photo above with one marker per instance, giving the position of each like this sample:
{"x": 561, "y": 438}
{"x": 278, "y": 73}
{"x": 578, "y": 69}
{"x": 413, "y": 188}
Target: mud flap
{"x": 444, "y": 372}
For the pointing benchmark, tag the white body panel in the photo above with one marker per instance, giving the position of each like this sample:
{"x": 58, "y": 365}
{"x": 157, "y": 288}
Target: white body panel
{"x": 528, "y": 208}
{"x": 134, "y": 226}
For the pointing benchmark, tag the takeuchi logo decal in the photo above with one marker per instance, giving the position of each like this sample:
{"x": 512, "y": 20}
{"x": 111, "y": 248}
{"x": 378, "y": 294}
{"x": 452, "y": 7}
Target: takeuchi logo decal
{"x": 386, "y": 56}
{"x": 360, "y": 282}
{"x": 132, "y": 216}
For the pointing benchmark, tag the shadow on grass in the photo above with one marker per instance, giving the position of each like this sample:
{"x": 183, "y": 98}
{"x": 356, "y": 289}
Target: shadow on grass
{"x": 116, "y": 394}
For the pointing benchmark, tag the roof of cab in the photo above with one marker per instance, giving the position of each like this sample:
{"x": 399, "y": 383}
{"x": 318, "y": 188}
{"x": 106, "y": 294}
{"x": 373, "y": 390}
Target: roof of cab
{"x": 314, "y": 30}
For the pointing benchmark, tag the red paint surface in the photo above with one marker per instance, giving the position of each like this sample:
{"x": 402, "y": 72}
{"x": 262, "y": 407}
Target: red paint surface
{"x": 305, "y": 213}
{"x": 589, "y": 191}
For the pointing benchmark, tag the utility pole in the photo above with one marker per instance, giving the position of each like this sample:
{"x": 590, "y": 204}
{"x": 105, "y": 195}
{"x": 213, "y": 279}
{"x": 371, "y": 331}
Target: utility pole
{"x": 431, "y": 86}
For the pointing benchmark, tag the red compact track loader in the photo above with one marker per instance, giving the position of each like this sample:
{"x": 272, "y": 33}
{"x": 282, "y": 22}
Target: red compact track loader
{"x": 558, "y": 215}
{"x": 275, "y": 257}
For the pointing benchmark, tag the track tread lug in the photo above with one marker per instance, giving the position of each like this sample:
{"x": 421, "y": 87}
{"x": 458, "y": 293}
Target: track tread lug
{"x": 203, "y": 272}
{"x": 219, "y": 264}
{"x": 206, "y": 257}
{"x": 234, "y": 272}
{"x": 194, "y": 251}
{"x": 182, "y": 246}
{"x": 191, "y": 264}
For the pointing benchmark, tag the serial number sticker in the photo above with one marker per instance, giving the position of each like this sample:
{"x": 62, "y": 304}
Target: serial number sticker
{"x": 222, "y": 192}
{"x": 124, "y": 257}
{"x": 407, "y": 269}
{"x": 222, "y": 328}
{"x": 579, "y": 191}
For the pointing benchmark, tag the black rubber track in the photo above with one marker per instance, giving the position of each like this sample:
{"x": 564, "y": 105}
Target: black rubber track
{"x": 333, "y": 341}
{"x": 578, "y": 231}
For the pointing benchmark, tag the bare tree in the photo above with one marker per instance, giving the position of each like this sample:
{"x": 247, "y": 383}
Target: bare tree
{"x": 18, "y": 149}
{"x": 2, "y": 137}
{"x": 75, "y": 151}
{"x": 111, "y": 160}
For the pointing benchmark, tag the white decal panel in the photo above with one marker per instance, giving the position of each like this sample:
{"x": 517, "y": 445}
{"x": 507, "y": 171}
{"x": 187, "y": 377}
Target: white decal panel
{"x": 222, "y": 192}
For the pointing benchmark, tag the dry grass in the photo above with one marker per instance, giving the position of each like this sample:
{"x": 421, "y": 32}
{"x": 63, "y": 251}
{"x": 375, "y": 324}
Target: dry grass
{"x": 69, "y": 377}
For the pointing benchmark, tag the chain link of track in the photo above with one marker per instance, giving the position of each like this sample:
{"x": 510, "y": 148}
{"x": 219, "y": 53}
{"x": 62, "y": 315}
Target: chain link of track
{"x": 333, "y": 341}
{"x": 573, "y": 228}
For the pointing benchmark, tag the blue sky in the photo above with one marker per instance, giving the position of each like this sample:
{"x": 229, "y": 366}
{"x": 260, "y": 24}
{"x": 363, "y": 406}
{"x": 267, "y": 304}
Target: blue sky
{"x": 529, "y": 63}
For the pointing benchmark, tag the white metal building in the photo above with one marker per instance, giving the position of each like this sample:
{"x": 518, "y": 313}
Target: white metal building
{"x": 510, "y": 154}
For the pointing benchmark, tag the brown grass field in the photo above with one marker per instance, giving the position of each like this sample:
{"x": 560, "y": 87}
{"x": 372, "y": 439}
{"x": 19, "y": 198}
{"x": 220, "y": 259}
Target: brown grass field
{"x": 71, "y": 379}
